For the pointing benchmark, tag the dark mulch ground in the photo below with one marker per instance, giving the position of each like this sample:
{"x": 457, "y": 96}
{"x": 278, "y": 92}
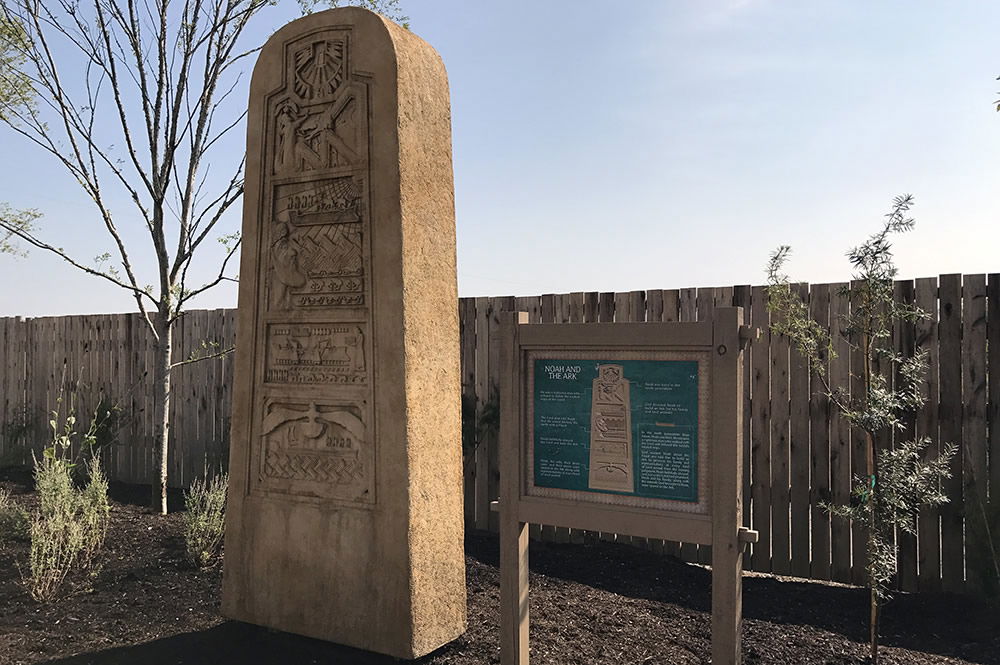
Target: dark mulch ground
{"x": 601, "y": 603}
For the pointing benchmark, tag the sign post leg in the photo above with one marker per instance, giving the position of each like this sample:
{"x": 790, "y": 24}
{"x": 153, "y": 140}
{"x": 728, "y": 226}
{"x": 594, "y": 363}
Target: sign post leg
{"x": 727, "y": 601}
{"x": 727, "y": 490}
{"x": 513, "y": 532}
{"x": 513, "y": 589}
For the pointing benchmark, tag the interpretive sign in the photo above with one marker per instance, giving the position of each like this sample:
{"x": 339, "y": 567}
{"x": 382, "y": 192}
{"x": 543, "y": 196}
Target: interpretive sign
{"x": 629, "y": 428}
{"x": 617, "y": 426}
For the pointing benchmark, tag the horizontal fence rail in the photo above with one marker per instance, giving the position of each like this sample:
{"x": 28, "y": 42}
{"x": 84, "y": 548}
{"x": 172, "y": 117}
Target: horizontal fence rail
{"x": 800, "y": 453}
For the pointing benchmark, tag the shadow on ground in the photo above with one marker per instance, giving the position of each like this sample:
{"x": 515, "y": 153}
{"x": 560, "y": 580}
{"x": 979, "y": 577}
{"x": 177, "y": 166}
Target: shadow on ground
{"x": 952, "y": 625}
{"x": 234, "y": 642}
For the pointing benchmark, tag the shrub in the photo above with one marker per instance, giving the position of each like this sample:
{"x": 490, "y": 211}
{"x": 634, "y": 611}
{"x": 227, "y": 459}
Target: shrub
{"x": 205, "y": 519}
{"x": 13, "y": 518}
{"x": 68, "y": 530}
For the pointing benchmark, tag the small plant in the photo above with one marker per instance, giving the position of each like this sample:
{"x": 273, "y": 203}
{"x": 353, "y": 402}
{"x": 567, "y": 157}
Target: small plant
{"x": 68, "y": 530}
{"x": 897, "y": 481}
{"x": 13, "y": 518}
{"x": 205, "y": 519}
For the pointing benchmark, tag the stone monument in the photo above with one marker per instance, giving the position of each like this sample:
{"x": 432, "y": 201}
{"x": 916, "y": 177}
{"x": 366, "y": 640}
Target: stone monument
{"x": 345, "y": 505}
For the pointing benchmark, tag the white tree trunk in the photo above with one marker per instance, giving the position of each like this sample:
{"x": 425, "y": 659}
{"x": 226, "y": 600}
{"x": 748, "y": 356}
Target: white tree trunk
{"x": 161, "y": 410}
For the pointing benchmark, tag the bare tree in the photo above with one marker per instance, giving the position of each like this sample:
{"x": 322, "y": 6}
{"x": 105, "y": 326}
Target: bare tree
{"x": 130, "y": 97}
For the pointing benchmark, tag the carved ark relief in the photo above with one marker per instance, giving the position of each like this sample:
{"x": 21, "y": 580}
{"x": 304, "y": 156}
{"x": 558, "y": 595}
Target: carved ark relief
{"x": 318, "y": 449}
{"x": 317, "y": 250}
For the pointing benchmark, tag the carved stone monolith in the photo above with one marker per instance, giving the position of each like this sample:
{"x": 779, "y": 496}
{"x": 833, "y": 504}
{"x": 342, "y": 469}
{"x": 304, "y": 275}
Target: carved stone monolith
{"x": 345, "y": 508}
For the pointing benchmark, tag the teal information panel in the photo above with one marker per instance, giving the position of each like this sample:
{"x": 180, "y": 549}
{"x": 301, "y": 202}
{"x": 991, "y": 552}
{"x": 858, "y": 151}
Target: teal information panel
{"x": 625, "y": 427}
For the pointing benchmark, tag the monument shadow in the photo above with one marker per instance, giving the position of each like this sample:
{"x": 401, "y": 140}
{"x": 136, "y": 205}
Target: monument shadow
{"x": 236, "y": 642}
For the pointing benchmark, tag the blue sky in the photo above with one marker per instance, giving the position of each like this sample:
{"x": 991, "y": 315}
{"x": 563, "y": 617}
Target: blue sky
{"x": 618, "y": 146}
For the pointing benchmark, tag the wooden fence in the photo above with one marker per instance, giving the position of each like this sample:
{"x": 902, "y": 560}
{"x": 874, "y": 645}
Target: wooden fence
{"x": 799, "y": 453}
{"x": 69, "y": 362}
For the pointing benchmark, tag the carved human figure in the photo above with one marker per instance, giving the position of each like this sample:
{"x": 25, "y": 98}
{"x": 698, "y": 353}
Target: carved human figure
{"x": 287, "y": 127}
{"x": 285, "y": 271}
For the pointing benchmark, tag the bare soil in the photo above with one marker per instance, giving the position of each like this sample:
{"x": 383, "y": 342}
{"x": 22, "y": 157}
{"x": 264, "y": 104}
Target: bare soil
{"x": 595, "y": 603}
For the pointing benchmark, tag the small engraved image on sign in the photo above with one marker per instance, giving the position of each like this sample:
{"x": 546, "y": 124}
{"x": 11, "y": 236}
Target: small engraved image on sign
{"x": 611, "y": 432}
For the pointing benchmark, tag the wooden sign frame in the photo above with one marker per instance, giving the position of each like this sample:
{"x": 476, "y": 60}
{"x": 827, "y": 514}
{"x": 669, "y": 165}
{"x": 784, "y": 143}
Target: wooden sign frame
{"x": 718, "y": 522}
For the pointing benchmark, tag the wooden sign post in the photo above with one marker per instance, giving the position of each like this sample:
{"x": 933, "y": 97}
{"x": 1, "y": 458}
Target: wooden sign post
{"x": 631, "y": 428}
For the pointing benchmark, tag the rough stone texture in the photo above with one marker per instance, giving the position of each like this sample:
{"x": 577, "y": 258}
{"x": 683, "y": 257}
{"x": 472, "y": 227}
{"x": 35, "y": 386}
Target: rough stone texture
{"x": 345, "y": 508}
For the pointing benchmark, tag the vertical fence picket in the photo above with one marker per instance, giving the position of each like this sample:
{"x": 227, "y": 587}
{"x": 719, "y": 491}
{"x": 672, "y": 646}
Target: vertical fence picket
{"x": 760, "y": 432}
{"x": 975, "y": 472}
{"x": 840, "y": 438}
{"x": 780, "y": 489}
{"x": 926, "y": 426}
{"x": 799, "y": 452}
{"x": 993, "y": 386}
{"x": 467, "y": 336}
{"x": 950, "y": 427}
{"x": 819, "y": 440}
{"x": 500, "y": 305}
{"x": 482, "y": 398}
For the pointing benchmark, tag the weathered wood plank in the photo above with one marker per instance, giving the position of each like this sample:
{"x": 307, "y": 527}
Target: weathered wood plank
{"x": 467, "y": 346}
{"x": 482, "y": 399}
{"x": 993, "y": 384}
{"x": 654, "y": 305}
{"x": 819, "y": 442}
{"x": 840, "y": 438}
{"x": 780, "y": 450}
{"x": 928, "y": 521}
{"x": 500, "y": 305}
{"x": 760, "y": 431}
{"x": 591, "y": 305}
{"x": 799, "y": 453}
{"x": 950, "y": 427}
{"x": 975, "y": 463}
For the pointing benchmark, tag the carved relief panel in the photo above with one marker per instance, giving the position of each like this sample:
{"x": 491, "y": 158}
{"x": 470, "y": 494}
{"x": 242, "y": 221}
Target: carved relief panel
{"x": 313, "y": 429}
{"x": 316, "y": 248}
{"x": 315, "y": 354}
{"x": 611, "y": 431}
{"x": 320, "y": 450}
{"x": 321, "y": 123}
